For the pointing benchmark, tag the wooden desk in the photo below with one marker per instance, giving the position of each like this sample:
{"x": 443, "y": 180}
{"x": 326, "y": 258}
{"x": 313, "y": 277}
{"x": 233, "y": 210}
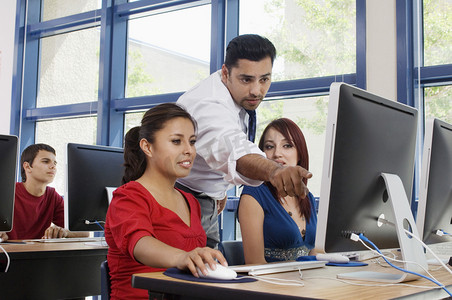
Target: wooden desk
{"x": 51, "y": 270}
{"x": 317, "y": 286}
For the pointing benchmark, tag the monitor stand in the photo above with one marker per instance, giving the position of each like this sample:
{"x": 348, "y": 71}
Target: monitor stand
{"x": 410, "y": 249}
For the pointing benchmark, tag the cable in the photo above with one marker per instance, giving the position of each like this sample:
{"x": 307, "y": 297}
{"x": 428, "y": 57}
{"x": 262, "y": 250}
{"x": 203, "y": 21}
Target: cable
{"x": 441, "y": 232}
{"x": 363, "y": 238}
{"x": 381, "y": 255}
{"x": 88, "y": 222}
{"x": 372, "y": 285}
{"x": 274, "y": 280}
{"x": 429, "y": 250}
{"x": 379, "y": 258}
{"x": 8, "y": 260}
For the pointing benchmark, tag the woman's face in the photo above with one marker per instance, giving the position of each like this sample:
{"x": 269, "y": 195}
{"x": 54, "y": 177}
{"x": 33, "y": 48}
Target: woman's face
{"x": 279, "y": 149}
{"x": 173, "y": 150}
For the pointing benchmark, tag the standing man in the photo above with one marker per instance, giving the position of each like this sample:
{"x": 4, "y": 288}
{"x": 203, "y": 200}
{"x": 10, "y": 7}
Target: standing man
{"x": 223, "y": 106}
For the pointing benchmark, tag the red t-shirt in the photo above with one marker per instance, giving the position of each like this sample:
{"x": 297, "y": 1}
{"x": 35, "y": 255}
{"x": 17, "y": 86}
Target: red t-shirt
{"x": 133, "y": 214}
{"x": 33, "y": 215}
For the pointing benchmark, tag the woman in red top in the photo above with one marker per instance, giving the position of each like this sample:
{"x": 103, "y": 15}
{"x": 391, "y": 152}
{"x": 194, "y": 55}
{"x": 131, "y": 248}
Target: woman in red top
{"x": 151, "y": 225}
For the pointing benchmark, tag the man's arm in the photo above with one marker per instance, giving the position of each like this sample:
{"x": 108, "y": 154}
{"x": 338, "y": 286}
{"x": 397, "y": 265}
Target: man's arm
{"x": 287, "y": 180}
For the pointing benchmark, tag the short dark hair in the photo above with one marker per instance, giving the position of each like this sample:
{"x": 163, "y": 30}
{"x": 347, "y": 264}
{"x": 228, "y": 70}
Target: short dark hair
{"x": 29, "y": 155}
{"x": 248, "y": 46}
{"x": 153, "y": 120}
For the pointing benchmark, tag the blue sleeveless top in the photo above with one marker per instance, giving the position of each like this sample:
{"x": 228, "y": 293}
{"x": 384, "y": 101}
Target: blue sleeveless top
{"x": 282, "y": 238}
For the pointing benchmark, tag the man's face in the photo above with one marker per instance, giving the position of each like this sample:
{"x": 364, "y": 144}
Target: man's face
{"x": 248, "y": 82}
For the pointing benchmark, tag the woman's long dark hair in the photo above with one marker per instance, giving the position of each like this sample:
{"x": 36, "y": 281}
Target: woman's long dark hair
{"x": 153, "y": 120}
{"x": 293, "y": 134}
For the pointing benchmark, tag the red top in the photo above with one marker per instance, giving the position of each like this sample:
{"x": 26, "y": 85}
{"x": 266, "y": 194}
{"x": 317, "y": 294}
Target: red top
{"x": 33, "y": 215}
{"x": 133, "y": 214}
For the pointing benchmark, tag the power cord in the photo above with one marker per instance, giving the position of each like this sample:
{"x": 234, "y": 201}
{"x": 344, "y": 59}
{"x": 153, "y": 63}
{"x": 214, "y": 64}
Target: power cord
{"x": 8, "y": 260}
{"x": 441, "y": 232}
{"x": 364, "y": 240}
{"x": 370, "y": 285}
{"x": 429, "y": 250}
{"x": 88, "y": 222}
{"x": 279, "y": 281}
{"x": 384, "y": 257}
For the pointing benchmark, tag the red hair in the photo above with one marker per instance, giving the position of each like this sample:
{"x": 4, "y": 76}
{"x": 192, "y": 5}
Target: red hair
{"x": 294, "y": 135}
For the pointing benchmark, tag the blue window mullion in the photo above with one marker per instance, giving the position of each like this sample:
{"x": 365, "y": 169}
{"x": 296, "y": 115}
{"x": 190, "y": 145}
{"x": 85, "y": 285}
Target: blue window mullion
{"x": 30, "y": 76}
{"x": 361, "y": 78}
{"x": 434, "y": 75}
{"x": 146, "y": 7}
{"x": 19, "y": 44}
{"x": 232, "y": 20}
{"x": 65, "y": 24}
{"x": 117, "y": 76}
{"x": 103, "y": 112}
{"x": 308, "y": 86}
{"x": 217, "y": 39}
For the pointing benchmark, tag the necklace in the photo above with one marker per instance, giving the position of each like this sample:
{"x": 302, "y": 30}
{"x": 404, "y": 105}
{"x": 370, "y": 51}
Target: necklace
{"x": 287, "y": 208}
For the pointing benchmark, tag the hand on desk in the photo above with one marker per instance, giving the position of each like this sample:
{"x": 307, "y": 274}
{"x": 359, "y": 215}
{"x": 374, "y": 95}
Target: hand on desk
{"x": 3, "y": 237}
{"x": 55, "y": 232}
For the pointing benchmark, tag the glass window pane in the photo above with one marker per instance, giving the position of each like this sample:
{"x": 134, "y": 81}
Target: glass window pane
{"x": 310, "y": 114}
{"x": 312, "y": 38}
{"x": 437, "y": 33}
{"x": 132, "y": 119}
{"x": 162, "y": 58}
{"x": 438, "y": 103}
{"x": 69, "y": 69}
{"x": 52, "y": 9}
{"x": 57, "y": 133}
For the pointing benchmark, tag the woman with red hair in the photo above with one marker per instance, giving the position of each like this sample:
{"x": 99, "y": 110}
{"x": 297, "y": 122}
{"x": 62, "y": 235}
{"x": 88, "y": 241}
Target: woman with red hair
{"x": 278, "y": 228}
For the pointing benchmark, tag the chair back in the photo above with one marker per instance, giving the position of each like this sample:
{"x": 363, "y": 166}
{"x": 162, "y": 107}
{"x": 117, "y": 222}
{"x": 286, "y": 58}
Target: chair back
{"x": 105, "y": 283}
{"x": 233, "y": 252}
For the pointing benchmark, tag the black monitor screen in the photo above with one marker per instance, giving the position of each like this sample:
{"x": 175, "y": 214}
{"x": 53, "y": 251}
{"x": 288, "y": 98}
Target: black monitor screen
{"x": 435, "y": 192}
{"x": 366, "y": 135}
{"x": 8, "y": 163}
{"x": 90, "y": 170}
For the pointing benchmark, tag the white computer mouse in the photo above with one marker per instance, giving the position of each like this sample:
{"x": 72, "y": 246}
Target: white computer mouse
{"x": 220, "y": 272}
{"x": 333, "y": 258}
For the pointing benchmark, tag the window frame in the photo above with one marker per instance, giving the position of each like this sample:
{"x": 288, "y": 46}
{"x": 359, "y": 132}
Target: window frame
{"x": 112, "y": 104}
{"x": 412, "y": 75}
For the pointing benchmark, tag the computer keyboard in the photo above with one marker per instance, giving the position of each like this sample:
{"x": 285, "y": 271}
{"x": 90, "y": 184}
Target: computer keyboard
{"x": 442, "y": 250}
{"x": 278, "y": 267}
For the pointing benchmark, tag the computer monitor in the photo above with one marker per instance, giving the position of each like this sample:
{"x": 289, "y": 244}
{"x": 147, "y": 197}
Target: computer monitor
{"x": 8, "y": 175}
{"x": 435, "y": 192}
{"x": 90, "y": 171}
{"x": 368, "y": 168}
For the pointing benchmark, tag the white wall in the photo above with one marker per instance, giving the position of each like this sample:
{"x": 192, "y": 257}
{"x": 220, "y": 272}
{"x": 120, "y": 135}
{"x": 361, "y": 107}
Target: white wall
{"x": 7, "y": 25}
{"x": 381, "y": 52}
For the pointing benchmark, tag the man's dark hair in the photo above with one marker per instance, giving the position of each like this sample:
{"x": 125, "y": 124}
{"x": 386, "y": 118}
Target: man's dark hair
{"x": 29, "y": 155}
{"x": 248, "y": 46}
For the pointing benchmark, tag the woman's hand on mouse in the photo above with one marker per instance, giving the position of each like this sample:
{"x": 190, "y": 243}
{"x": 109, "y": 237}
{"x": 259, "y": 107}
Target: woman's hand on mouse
{"x": 198, "y": 257}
